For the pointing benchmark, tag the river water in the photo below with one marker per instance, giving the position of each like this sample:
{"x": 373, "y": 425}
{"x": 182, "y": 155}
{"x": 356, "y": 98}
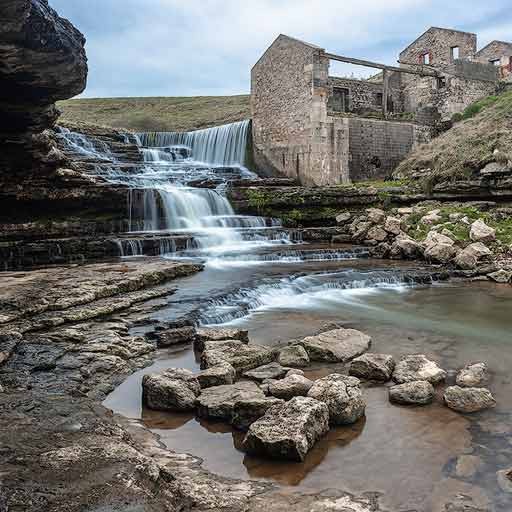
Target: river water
{"x": 258, "y": 277}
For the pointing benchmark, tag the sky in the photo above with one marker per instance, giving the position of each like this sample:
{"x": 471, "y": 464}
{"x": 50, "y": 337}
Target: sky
{"x": 207, "y": 47}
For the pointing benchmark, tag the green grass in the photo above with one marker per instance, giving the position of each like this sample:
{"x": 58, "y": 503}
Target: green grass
{"x": 157, "y": 114}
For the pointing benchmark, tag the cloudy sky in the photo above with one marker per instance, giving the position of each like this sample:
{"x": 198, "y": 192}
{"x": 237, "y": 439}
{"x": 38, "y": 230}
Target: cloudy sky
{"x": 207, "y": 47}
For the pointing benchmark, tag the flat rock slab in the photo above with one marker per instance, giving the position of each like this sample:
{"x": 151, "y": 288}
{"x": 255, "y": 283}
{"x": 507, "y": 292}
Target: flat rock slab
{"x": 180, "y": 335}
{"x": 175, "y": 389}
{"x": 205, "y": 334}
{"x": 373, "y": 367}
{"x": 418, "y": 367}
{"x": 343, "y": 397}
{"x": 216, "y": 376}
{"x": 218, "y": 402}
{"x": 267, "y": 371}
{"x": 241, "y": 356}
{"x": 419, "y": 392}
{"x": 287, "y": 388}
{"x": 336, "y": 346}
{"x": 247, "y": 411}
{"x": 468, "y": 400}
{"x": 288, "y": 431}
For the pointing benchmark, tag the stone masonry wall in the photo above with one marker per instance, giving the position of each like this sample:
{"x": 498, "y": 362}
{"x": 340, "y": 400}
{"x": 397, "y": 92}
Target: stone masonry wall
{"x": 498, "y": 50}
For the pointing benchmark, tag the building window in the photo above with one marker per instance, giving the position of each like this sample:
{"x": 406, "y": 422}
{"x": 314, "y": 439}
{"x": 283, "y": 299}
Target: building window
{"x": 440, "y": 82}
{"x": 426, "y": 58}
{"x": 379, "y": 99}
{"x": 339, "y": 100}
{"x": 495, "y": 62}
{"x": 455, "y": 52}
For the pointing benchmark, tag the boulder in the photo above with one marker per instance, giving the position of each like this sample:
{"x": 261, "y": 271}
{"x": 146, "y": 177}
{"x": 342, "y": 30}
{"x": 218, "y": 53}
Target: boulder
{"x": 418, "y": 392}
{"x": 373, "y": 367}
{"x": 435, "y": 238}
{"x": 175, "y": 389}
{"x": 406, "y": 247}
{"x": 205, "y": 334}
{"x": 468, "y": 258}
{"x": 431, "y": 218}
{"x": 216, "y": 376}
{"x": 393, "y": 225}
{"x": 267, "y": 371}
{"x": 381, "y": 250}
{"x": 359, "y": 229}
{"x": 343, "y": 397}
{"x": 376, "y": 215}
{"x": 176, "y": 336}
{"x": 472, "y": 376}
{"x": 468, "y": 400}
{"x": 501, "y": 276}
{"x": 440, "y": 253}
{"x": 376, "y": 235}
{"x": 241, "y": 356}
{"x": 295, "y": 371}
{"x": 218, "y": 402}
{"x": 289, "y": 430}
{"x": 343, "y": 218}
{"x": 287, "y": 388}
{"x": 294, "y": 356}
{"x": 418, "y": 367}
{"x": 481, "y": 232}
{"x": 246, "y": 412}
{"x": 336, "y": 346}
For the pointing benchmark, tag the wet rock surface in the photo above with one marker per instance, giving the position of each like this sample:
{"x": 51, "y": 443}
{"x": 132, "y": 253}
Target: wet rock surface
{"x": 268, "y": 371}
{"x": 418, "y": 367}
{"x": 468, "y": 400}
{"x": 247, "y": 411}
{"x": 373, "y": 367}
{"x": 217, "y": 376}
{"x": 472, "y": 376}
{"x": 412, "y": 393}
{"x": 294, "y": 356}
{"x": 290, "y": 386}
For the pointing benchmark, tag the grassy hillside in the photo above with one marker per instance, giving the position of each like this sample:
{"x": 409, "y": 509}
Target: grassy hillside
{"x": 157, "y": 114}
{"x": 482, "y": 134}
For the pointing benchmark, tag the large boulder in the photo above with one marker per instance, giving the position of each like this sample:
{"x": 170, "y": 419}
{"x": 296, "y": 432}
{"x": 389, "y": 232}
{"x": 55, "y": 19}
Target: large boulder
{"x": 405, "y": 247}
{"x": 440, "y": 253}
{"x": 246, "y": 412}
{"x": 241, "y": 356}
{"x": 289, "y": 430}
{"x": 175, "y": 389}
{"x": 335, "y": 346}
{"x": 393, "y": 225}
{"x": 418, "y": 367}
{"x": 502, "y": 276}
{"x": 376, "y": 215}
{"x": 343, "y": 397}
{"x": 205, "y": 334}
{"x": 218, "y": 402}
{"x": 481, "y": 232}
{"x": 287, "y": 388}
{"x": 218, "y": 375}
{"x": 468, "y": 400}
{"x": 294, "y": 356}
{"x": 177, "y": 336}
{"x": 472, "y": 376}
{"x": 419, "y": 392}
{"x": 373, "y": 367}
{"x": 376, "y": 235}
{"x": 472, "y": 255}
{"x": 267, "y": 371}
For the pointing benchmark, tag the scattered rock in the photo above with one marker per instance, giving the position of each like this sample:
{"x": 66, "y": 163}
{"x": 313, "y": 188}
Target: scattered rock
{"x": 504, "y": 478}
{"x": 435, "y": 238}
{"x": 376, "y": 215}
{"x": 381, "y": 250}
{"x": 359, "y": 229}
{"x": 294, "y": 356}
{"x": 217, "y": 376}
{"x": 175, "y": 389}
{"x": 218, "y": 402}
{"x": 241, "y": 356}
{"x": 288, "y": 431}
{"x": 406, "y": 247}
{"x": 177, "y": 336}
{"x": 295, "y": 371}
{"x": 393, "y": 225}
{"x": 418, "y": 392}
{"x": 440, "y": 253}
{"x": 418, "y": 367}
{"x": 343, "y": 397}
{"x": 468, "y": 400}
{"x": 246, "y": 412}
{"x": 472, "y": 375}
{"x": 205, "y": 334}
{"x": 343, "y": 218}
{"x": 287, "y": 388}
{"x": 481, "y": 232}
{"x": 338, "y": 345}
{"x": 373, "y": 367}
{"x": 431, "y": 218}
{"x": 501, "y": 276}
{"x": 467, "y": 466}
{"x": 468, "y": 258}
{"x": 376, "y": 235}
{"x": 268, "y": 371}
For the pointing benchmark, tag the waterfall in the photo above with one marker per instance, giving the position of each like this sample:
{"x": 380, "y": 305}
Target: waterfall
{"x": 223, "y": 145}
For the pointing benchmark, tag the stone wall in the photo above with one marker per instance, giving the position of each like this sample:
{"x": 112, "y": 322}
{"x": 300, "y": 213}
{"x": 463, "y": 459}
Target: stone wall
{"x": 497, "y": 50}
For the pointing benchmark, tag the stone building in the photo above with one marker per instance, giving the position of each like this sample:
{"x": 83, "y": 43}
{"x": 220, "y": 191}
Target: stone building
{"x": 326, "y": 130}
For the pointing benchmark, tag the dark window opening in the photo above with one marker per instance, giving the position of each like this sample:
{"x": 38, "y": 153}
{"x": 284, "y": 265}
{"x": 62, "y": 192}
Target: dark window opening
{"x": 339, "y": 100}
{"x": 495, "y": 62}
{"x": 379, "y": 99}
{"x": 284, "y": 161}
{"x": 426, "y": 58}
{"x": 455, "y": 52}
{"x": 297, "y": 166}
{"x": 440, "y": 82}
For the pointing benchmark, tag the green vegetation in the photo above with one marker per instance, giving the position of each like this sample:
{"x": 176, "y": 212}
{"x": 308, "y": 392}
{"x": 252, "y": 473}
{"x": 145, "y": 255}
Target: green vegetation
{"x": 257, "y": 199}
{"x": 157, "y": 114}
{"x": 483, "y": 135}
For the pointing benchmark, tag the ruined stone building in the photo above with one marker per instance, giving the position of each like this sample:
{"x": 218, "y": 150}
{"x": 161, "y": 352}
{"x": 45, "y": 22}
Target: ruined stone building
{"x": 326, "y": 130}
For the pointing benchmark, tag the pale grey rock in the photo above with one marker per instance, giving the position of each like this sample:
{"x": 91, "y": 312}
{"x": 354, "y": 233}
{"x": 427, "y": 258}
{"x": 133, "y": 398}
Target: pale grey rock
{"x": 175, "y": 389}
{"x": 468, "y": 400}
{"x": 373, "y": 367}
{"x": 376, "y": 234}
{"x": 481, "y": 232}
{"x": 268, "y": 371}
{"x": 393, "y": 225}
{"x": 343, "y": 397}
{"x": 180, "y": 335}
{"x": 219, "y": 375}
{"x": 434, "y": 238}
{"x": 295, "y": 371}
{"x": 418, "y": 367}
{"x": 294, "y": 356}
{"x": 359, "y": 229}
{"x": 418, "y": 392}
{"x": 501, "y": 276}
{"x": 205, "y": 334}
{"x": 287, "y": 388}
{"x": 468, "y": 258}
{"x": 343, "y": 218}
{"x": 376, "y": 215}
{"x": 338, "y": 345}
{"x": 406, "y": 247}
{"x": 504, "y": 478}
{"x": 440, "y": 253}
{"x": 472, "y": 376}
{"x": 246, "y": 412}
{"x": 288, "y": 431}
{"x": 218, "y": 402}
{"x": 431, "y": 218}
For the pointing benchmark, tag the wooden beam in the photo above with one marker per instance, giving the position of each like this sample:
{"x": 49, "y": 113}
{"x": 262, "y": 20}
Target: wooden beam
{"x": 376, "y": 65}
